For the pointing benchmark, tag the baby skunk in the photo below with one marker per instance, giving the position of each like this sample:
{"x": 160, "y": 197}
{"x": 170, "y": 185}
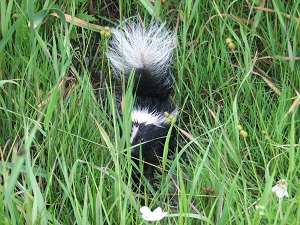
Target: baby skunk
{"x": 149, "y": 53}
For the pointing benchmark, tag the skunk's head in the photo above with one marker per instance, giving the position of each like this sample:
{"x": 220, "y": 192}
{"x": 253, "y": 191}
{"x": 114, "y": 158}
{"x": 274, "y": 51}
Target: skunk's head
{"x": 149, "y": 139}
{"x": 150, "y": 127}
{"x": 148, "y": 133}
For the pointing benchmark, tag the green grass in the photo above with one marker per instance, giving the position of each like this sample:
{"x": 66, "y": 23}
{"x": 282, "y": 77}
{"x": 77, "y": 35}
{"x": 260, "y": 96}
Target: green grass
{"x": 63, "y": 159}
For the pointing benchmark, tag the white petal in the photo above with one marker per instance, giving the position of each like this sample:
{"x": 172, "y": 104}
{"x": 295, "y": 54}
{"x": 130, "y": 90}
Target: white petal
{"x": 146, "y": 218}
{"x": 280, "y": 191}
{"x": 156, "y": 215}
{"x": 275, "y": 189}
{"x": 157, "y": 211}
{"x": 145, "y": 210}
{"x": 161, "y": 216}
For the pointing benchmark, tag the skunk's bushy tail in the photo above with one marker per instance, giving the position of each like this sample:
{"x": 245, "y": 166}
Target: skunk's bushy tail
{"x": 149, "y": 52}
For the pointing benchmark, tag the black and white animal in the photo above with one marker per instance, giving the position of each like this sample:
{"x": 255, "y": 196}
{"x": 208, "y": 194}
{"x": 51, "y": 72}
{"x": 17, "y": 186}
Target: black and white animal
{"x": 147, "y": 51}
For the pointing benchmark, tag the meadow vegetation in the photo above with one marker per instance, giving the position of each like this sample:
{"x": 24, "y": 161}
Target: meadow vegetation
{"x": 63, "y": 157}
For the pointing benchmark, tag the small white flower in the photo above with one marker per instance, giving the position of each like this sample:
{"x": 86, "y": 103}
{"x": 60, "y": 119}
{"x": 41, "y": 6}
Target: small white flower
{"x": 156, "y": 215}
{"x": 280, "y": 189}
{"x": 261, "y": 209}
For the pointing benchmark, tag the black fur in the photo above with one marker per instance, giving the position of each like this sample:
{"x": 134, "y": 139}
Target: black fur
{"x": 147, "y": 85}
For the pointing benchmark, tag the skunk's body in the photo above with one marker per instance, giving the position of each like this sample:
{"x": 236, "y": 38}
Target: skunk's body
{"x": 149, "y": 53}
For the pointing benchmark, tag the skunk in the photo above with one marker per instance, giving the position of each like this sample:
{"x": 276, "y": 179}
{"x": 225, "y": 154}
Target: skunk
{"x": 148, "y": 52}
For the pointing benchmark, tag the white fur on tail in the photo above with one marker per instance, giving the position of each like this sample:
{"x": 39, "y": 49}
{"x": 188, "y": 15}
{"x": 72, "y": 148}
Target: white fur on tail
{"x": 137, "y": 47}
